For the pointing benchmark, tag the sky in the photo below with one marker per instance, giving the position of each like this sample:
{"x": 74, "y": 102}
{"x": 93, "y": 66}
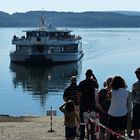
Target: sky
{"x": 12, "y": 6}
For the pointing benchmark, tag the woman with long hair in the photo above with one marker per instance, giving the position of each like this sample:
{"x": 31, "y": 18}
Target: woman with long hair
{"x": 118, "y": 108}
{"x": 71, "y": 119}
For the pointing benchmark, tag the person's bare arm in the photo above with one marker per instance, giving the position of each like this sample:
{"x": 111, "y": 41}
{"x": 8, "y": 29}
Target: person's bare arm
{"x": 62, "y": 108}
{"x": 98, "y": 103}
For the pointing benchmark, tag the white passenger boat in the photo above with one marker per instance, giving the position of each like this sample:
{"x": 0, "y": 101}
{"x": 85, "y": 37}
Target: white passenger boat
{"x": 47, "y": 45}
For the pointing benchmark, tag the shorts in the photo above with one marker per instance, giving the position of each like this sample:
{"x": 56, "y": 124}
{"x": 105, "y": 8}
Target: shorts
{"x": 136, "y": 117}
{"x": 103, "y": 118}
{"x": 70, "y": 132}
{"x": 117, "y": 123}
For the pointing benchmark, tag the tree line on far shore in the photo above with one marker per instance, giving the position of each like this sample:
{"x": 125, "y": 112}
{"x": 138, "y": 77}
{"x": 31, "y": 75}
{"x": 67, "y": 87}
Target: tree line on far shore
{"x": 72, "y": 19}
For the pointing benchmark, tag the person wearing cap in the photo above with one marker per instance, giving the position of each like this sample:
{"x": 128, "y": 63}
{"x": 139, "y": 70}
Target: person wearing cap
{"x": 71, "y": 93}
{"x": 86, "y": 92}
{"x": 136, "y": 105}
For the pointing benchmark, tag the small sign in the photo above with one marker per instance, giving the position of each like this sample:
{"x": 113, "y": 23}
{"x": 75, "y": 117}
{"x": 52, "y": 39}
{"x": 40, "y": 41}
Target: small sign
{"x": 51, "y": 112}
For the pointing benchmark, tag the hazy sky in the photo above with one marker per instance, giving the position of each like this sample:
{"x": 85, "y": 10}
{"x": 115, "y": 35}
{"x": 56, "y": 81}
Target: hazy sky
{"x": 12, "y": 6}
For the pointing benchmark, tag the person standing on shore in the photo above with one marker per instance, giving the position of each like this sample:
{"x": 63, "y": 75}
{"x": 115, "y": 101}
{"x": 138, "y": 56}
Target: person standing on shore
{"x": 136, "y": 105}
{"x": 71, "y": 93}
{"x": 103, "y": 104}
{"x": 118, "y": 108}
{"x": 86, "y": 91}
{"x": 71, "y": 119}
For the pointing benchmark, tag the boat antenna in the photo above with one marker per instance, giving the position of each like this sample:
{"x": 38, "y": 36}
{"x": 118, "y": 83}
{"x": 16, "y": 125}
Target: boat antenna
{"x": 42, "y": 26}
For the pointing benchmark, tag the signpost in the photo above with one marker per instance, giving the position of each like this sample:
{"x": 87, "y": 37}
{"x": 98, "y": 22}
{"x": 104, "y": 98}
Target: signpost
{"x": 51, "y": 113}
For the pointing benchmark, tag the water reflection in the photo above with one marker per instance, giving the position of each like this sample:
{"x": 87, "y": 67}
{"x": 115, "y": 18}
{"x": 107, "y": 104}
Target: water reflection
{"x": 39, "y": 81}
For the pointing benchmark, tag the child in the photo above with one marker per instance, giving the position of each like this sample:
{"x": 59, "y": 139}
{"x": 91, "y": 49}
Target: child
{"x": 71, "y": 119}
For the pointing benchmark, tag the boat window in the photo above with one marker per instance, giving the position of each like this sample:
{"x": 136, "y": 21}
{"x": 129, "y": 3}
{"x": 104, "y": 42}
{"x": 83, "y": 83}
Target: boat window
{"x": 46, "y": 34}
{"x": 23, "y": 49}
{"x": 56, "y": 49}
{"x": 40, "y": 48}
{"x": 37, "y": 34}
{"x": 38, "y": 39}
{"x": 29, "y": 34}
{"x": 70, "y": 48}
{"x": 34, "y": 34}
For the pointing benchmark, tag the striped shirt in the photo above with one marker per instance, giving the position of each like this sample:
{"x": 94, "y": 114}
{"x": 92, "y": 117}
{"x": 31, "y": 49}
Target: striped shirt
{"x": 70, "y": 93}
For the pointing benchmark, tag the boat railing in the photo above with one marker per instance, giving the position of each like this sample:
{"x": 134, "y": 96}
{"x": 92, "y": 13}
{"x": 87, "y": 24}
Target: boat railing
{"x": 69, "y": 38}
{"x": 78, "y": 37}
{"x": 15, "y": 38}
{"x": 15, "y": 52}
{"x": 65, "y": 38}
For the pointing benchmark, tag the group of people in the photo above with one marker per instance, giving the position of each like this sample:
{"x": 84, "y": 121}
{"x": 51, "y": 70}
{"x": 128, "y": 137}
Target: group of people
{"x": 114, "y": 103}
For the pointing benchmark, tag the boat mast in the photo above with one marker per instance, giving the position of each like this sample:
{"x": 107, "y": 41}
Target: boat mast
{"x": 42, "y": 26}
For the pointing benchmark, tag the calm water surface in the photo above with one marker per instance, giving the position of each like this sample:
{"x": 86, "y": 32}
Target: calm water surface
{"x": 33, "y": 90}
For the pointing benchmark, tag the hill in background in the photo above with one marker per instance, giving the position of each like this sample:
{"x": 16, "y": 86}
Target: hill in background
{"x": 72, "y": 19}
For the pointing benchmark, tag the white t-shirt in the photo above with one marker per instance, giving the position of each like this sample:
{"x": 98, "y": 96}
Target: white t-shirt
{"x": 118, "y": 105}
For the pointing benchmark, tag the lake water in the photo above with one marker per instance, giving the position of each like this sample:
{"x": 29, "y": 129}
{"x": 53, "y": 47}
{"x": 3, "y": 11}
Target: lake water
{"x": 33, "y": 90}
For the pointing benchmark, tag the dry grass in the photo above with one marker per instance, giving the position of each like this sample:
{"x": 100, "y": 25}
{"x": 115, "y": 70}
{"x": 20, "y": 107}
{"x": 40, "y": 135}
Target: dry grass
{"x": 30, "y": 128}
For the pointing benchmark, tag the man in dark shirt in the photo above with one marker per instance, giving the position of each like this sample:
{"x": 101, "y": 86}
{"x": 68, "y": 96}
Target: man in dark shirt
{"x": 136, "y": 105}
{"x": 71, "y": 93}
{"x": 86, "y": 91}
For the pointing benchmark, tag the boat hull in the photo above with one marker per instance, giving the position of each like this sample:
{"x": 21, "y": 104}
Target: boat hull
{"x": 57, "y": 58}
